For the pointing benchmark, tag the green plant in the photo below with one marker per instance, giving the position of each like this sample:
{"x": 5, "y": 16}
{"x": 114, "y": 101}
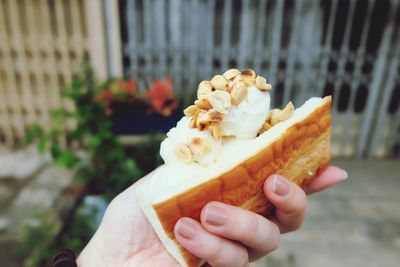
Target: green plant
{"x": 146, "y": 152}
{"x": 104, "y": 166}
{"x": 106, "y": 169}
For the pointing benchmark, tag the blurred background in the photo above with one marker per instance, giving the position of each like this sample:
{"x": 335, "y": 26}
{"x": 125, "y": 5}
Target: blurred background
{"x": 88, "y": 89}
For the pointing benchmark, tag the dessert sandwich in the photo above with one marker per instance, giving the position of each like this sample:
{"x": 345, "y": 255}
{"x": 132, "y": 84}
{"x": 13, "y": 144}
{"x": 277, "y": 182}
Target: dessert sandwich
{"x": 226, "y": 145}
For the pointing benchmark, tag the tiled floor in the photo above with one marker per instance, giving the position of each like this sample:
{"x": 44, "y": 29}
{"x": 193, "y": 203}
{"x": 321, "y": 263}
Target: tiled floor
{"x": 357, "y": 223}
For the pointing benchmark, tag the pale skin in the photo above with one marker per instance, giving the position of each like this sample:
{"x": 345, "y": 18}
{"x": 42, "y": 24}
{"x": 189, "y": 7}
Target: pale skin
{"x": 225, "y": 236}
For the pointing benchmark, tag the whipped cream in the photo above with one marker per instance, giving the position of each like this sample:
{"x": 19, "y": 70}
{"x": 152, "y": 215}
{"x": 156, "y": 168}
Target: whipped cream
{"x": 245, "y": 120}
{"x": 176, "y": 177}
{"x": 242, "y": 121}
{"x": 182, "y": 133}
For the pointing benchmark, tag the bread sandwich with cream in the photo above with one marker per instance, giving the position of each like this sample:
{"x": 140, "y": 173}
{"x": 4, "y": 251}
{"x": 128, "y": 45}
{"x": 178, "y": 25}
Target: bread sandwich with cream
{"x": 226, "y": 145}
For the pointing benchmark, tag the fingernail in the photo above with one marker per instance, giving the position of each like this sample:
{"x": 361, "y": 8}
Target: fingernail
{"x": 345, "y": 174}
{"x": 216, "y": 215}
{"x": 280, "y": 186}
{"x": 186, "y": 229}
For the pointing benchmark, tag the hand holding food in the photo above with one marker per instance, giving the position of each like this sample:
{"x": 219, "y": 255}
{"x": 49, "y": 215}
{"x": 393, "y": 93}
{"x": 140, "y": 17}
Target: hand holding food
{"x": 226, "y": 146}
{"x": 126, "y": 238}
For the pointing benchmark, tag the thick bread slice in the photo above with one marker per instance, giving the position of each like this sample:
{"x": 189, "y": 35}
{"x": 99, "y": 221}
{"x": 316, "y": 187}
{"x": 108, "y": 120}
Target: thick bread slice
{"x": 298, "y": 154}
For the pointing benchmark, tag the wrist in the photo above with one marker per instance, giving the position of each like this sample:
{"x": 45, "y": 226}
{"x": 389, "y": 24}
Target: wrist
{"x": 90, "y": 255}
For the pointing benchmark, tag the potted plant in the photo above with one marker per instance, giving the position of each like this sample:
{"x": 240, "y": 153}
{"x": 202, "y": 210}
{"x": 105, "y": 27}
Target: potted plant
{"x": 135, "y": 112}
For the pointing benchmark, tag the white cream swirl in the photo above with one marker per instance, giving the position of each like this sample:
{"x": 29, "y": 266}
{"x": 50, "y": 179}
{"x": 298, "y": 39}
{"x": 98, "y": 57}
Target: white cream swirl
{"x": 182, "y": 133}
{"x": 245, "y": 120}
{"x": 242, "y": 121}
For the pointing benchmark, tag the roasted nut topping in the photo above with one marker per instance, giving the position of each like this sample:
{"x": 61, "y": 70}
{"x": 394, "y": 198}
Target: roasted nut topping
{"x": 202, "y": 122}
{"x": 266, "y": 126}
{"x": 248, "y": 76}
{"x": 184, "y": 153}
{"x": 277, "y": 115}
{"x": 191, "y": 110}
{"x": 203, "y": 103}
{"x": 204, "y": 89}
{"x": 193, "y": 120}
{"x": 266, "y": 87}
{"x": 199, "y": 146}
{"x": 219, "y": 82}
{"x": 249, "y": 81}
{"x": 274, "y": 112}
{"x": 228, "y": 137}
{"x": 260, "y": 82}
{"x": 203, "y": 125}
{"x": 230, "y": 74}
{"x": 216, "y": 131}
{"x": 214, "y": 116}
{"x": 263, "y": 86}
{"x": 238, "y": 93}
{"x": 274, "y": 116}
{"x": 216, "y": 96}
{"x": 288, "y": 110}
{"x": 220, "y": 101}
{"x": 249, "y": 73}
{"x": 237, "y": 79}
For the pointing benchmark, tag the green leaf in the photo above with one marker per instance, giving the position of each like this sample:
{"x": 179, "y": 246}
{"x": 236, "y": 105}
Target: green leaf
{"x": 95, "y": 141}
{"x": 33, "y": 133}
{"x": 66, "y": 158}
{"x": 60, "y": 114}
{"x": 42, "y": 145}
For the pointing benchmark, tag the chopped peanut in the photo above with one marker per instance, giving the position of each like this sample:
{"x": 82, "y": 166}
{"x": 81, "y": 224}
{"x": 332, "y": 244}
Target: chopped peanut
{"x": 184, "y": 153}
{"x": 230, "y": 74}
{"x": 220, "y": 101}
{"x": 215, "y": 97}
{"x": 219, "y": 82}
{"x": 199, "y": 146}
{"x": 238, "y": 93}
{"x": 204, "y": 89}
{"x": 203, "y": 103}
{"x": 191, "y": 110}
{"x": 216, "y": 131}
{"x": 277, "y": 115}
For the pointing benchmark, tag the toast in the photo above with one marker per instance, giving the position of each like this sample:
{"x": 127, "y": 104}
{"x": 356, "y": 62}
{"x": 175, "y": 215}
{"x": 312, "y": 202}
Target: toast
{"x": 296, "y": 147}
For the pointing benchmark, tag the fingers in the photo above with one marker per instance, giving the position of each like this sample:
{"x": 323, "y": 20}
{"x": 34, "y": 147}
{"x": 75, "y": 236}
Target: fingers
{"x": 289, "y": 200}
{"x": 251, "y": 229}
{"x": 220, "y": 223}
{"x": 218, "y": 251}
{"x": 327, "y": 178}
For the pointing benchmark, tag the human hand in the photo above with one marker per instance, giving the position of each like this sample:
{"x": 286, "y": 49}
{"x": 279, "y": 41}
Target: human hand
{"x": 225, "y": 236}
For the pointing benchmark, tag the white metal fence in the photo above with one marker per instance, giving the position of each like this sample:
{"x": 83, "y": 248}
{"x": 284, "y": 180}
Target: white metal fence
{"x": 349, "y": 49}
{"x": 42, "y": 43}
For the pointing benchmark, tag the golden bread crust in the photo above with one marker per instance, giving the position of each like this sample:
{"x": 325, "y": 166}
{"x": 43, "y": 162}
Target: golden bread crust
{"x": 298, "y": 155}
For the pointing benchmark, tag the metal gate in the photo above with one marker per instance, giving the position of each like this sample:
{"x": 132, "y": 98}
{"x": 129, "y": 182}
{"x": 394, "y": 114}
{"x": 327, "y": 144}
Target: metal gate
{"x": 346, "y": 48}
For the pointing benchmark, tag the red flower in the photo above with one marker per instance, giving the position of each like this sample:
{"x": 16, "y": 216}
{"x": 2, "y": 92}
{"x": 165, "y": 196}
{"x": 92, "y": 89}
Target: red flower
{"x": 161, "y": 96}
{"x": 123, "y": 87}
{"x": 105, "y": 96}
{"x": 130, "y": 86}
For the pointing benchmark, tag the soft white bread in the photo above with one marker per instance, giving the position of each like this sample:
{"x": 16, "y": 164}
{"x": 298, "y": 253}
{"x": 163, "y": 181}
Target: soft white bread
{"x": 296, "y": 148}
